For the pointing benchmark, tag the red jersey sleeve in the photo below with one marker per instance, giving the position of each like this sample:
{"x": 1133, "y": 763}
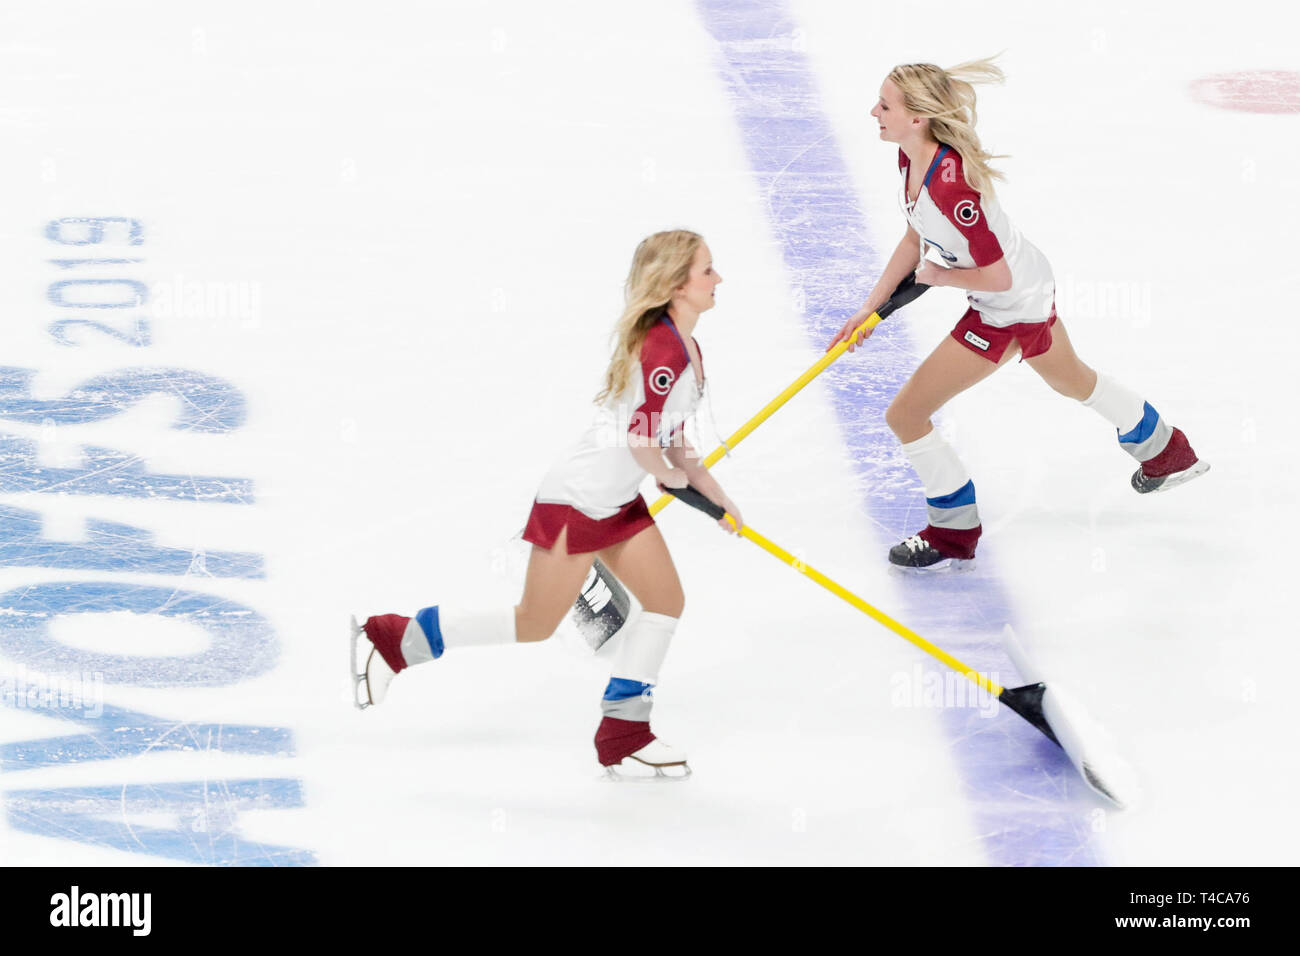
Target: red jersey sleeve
{"x": 663, "y": 359}
{"x": 961, "y": 205}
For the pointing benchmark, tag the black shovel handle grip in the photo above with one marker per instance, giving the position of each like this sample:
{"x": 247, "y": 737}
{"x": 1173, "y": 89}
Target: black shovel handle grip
{"x": 909, "y": 290}
{"x": 695, "y": 498}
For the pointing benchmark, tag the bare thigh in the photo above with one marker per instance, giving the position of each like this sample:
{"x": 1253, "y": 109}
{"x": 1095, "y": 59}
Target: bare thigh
{"x": 551, "y": 585}
{"x": 645, "y": 567}
{"x": 948, "y": 371}
{"x": 1062, "y": 369}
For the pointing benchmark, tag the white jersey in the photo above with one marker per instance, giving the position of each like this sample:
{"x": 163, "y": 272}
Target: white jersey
{"x": 598, "y": 475}
{"x": 969, "y": 230}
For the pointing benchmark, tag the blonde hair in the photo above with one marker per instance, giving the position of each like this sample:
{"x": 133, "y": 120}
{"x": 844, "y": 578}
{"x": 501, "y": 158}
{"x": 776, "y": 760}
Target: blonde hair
{"x": 662, "y": 263}
{"x": 947, "y": 99}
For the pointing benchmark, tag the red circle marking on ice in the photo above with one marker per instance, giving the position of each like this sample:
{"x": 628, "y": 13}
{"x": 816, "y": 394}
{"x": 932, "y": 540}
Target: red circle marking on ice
{"x": 1251, "y": 91}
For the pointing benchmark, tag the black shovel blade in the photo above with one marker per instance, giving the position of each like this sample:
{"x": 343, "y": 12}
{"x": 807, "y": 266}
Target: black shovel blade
{"x": 1027, "y": 701}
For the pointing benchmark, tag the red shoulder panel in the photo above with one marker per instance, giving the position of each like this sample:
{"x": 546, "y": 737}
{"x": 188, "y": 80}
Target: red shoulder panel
{"x": 663, "y": 359}
{"x": 962, "y": 206}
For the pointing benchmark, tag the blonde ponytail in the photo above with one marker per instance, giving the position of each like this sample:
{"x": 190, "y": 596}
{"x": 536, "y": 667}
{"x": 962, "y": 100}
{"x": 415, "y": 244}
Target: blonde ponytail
{"x": 947, "y": 99}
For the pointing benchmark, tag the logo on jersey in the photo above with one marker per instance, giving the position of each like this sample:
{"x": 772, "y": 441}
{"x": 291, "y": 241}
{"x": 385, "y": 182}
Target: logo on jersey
{"x": 967, "y": 212}
{"x": 661, "y": 380}
{"x": 947, "y": 256}
{"x": 976, "y": 341}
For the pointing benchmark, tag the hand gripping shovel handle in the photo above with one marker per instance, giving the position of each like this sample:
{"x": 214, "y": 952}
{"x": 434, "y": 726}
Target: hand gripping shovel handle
{"x": 695, "y": 498}
{"x": 909, "y": 290}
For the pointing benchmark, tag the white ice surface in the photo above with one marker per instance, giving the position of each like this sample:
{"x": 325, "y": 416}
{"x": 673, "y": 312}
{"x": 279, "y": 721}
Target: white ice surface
{"x": 437, "y": 208}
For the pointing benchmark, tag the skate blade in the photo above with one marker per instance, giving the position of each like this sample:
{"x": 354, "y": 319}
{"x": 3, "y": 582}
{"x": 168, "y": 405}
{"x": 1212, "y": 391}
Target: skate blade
{"x": 369, "y": 681}
{"x": 1176, "y": 479}
{"x": 633, "y": 771}
{"x": 360, "y": 693}
{"x": 946, "y": 566}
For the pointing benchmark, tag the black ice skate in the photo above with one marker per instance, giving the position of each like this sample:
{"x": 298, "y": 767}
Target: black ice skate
{"x": 918, "y": 553}
{"x": 1172, "y": 467}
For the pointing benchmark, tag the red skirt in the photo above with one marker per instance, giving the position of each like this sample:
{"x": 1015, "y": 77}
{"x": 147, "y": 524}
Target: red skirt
{"x": 991, "y": 341}
{"x": 546, "y": 521}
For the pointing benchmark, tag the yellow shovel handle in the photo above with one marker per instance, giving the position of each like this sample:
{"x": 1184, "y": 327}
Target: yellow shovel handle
{"x": 904, "y": 632}
{"x": 766, "y": 411}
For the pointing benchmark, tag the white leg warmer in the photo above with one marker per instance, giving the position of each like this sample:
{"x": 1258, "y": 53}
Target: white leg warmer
{"x": 643, "y": 649}
{"x": 477, "y": 628}
{"x": 949, "y": 492}
{"x": 1118, "y": 404}
{"x": 636, "y": 667}
{"x": 434, "y": 629}
{"x": 937, "y": 464}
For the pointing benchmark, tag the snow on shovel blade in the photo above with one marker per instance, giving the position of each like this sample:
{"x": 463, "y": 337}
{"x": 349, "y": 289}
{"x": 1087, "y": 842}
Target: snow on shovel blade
{"x": 1054, "y": 710}
{"x": 1090, "y": 748}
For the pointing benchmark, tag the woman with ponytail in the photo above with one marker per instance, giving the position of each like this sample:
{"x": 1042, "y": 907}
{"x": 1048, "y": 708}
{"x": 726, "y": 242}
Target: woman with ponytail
{"x": 589, "y": 505}
{"x": 948, "y": 200}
